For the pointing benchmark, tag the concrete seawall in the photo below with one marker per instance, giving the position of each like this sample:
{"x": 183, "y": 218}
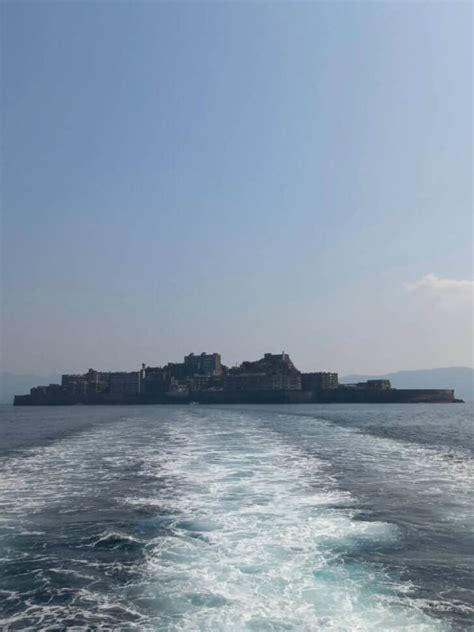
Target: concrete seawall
{"x": 253, "y": 397}
{"x": 329, "y": 396}
{"x": 391, "y": 396}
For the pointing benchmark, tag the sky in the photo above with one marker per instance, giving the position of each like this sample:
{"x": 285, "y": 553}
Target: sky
{"x": 239, "y": 177}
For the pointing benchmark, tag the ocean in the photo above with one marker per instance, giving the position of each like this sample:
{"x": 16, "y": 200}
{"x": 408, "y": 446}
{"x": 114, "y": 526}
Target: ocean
{"x": 310, "y": 517}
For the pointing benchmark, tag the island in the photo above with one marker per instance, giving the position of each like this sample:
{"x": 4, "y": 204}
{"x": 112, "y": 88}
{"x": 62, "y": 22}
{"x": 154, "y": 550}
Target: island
{"x": 202, "y": 378}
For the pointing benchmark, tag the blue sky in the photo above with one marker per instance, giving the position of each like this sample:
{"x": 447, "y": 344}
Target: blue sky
{"x": 236, "y": 177}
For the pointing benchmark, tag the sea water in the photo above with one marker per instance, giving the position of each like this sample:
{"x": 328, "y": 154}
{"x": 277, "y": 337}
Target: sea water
{"x": 310, "y": 517}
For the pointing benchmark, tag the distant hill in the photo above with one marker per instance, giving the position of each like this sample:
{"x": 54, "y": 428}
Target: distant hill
{"x": 12, "y": 384}
{"x": 459, "y": 378}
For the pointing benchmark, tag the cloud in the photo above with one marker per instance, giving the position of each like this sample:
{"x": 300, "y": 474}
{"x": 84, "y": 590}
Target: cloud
{"x": 432, "y": 284}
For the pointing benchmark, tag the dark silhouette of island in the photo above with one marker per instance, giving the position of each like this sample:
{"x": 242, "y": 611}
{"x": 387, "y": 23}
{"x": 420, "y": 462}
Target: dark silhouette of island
{"x": 202, "y": 378}
{"x": 460, "y": 378}
{"x": 11, "y": 383}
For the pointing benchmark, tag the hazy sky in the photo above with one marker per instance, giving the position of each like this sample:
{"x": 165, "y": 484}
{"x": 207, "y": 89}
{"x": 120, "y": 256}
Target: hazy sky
{"x": 237, "y": 177}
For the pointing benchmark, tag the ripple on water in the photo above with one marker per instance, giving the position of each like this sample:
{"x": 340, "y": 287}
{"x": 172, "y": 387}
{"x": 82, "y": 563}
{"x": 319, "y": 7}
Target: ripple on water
{"x": 192, "y": 521}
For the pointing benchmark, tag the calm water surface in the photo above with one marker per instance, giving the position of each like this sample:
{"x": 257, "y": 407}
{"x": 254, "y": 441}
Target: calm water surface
{"x": 236, "y": 518}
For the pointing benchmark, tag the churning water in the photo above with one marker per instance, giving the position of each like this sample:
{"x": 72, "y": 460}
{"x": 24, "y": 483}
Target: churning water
{"x": 236, "y": 518}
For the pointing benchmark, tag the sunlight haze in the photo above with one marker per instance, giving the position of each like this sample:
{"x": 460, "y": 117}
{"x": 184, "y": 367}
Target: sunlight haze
{"x": 239, "y": 178}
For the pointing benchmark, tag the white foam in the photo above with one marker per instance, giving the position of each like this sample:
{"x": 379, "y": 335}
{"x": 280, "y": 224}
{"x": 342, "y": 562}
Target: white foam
{"x": 252, "y": 532}
{"x": 275, "y": 532}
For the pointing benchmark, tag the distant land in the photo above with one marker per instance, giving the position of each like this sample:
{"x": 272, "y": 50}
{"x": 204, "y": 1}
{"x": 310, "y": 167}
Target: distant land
{"x": 460, "y": 378}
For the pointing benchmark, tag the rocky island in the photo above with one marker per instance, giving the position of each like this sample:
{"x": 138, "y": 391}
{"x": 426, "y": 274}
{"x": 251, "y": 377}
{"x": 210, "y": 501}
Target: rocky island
{"x": 202, "y": 378}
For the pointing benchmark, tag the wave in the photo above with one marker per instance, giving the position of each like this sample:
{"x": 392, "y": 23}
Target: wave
{"x": 206, "y": 520}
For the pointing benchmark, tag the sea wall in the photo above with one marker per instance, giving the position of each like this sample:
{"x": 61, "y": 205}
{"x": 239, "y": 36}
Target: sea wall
{"x": 390, "y": 396}
{"x": 252, "y": 397}
{"x": 330, "y": 396}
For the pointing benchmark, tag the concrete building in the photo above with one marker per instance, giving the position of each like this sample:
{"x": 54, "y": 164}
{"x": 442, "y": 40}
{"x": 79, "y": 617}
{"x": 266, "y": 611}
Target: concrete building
{"x": 318, "y": 381}
{"x": 248, "y": 382}
{"x": 273, "y": 372}
{"x": 123, "y": 384}
{"x": 155, "y": 380}
{"x": 177, "y": 370}
{"x": 379, "y": 385}
{"x": 90, "y": 383}
{"x": 261, "y": 382}
{"x": 371, "y": 385}
{"x": 203, "y": 364}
